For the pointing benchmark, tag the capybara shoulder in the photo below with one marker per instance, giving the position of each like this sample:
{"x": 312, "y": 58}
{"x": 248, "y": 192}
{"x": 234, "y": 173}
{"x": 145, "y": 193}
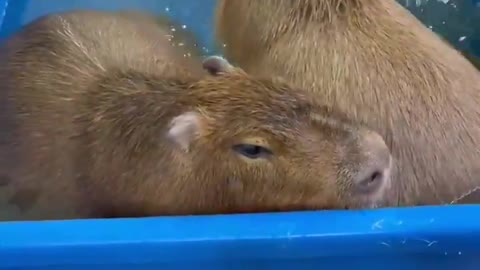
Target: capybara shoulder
{"x": 381, "y": 66}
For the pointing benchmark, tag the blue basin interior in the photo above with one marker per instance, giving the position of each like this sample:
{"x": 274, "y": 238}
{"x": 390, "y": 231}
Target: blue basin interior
{"x": 196, "y": 15}
{"x": 442, "y": 237}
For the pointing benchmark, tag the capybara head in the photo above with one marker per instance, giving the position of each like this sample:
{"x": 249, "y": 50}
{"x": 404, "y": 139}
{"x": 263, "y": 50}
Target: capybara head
{"x": 273, "y": 149}
{"x": 234, "y": 143}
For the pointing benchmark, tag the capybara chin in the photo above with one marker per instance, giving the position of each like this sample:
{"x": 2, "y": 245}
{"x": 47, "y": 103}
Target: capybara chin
{"x": 108, "y": 122}
{"x": 376, "y": 62}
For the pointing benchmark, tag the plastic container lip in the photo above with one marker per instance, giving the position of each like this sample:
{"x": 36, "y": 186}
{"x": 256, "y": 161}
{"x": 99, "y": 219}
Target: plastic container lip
{"x": 332, "y": 223}
{"x": 434, "y": 230}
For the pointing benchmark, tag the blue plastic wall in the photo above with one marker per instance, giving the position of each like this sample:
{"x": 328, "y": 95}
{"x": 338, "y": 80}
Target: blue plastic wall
{"x": 437, "y": 238}
{"x": 434, "y": 238}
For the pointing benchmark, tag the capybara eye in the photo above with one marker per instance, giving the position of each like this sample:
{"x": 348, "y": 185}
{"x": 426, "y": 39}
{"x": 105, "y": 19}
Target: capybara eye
{"x": 252, "y": 151}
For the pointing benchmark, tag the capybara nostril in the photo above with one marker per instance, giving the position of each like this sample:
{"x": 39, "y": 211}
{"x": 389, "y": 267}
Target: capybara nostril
{"x": 374, "y": 168}
{"x": 370, "y": 182}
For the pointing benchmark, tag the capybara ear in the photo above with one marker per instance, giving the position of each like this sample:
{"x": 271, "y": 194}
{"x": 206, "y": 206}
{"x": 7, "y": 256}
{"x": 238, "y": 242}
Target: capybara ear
{"x": 184, "y": 128}
{"x": 216, "y": 65}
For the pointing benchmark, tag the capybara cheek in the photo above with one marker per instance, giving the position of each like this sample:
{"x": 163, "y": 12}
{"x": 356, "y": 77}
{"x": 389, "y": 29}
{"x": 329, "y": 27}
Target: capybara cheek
{"x": 235, "y": 185}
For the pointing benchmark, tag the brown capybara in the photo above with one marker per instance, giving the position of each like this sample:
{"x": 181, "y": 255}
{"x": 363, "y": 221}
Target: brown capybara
{"x": 376, "y": 62}
{"x": 109, "y": 121}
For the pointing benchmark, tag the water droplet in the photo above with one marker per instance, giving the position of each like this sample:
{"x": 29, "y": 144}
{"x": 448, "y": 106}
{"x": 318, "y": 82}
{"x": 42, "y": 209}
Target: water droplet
{"x": 184, "y": 26}
{"x": 167, "y": 9}
{"x": 462, "y": 38}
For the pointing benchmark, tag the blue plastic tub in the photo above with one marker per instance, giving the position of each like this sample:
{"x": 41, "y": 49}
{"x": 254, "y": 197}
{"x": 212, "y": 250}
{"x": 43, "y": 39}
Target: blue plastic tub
{"x": 408, "y": 238}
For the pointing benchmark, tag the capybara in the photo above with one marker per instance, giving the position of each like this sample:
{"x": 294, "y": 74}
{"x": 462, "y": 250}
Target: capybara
{"x": 107, "y": 119}
{"x": 376, "y": 62}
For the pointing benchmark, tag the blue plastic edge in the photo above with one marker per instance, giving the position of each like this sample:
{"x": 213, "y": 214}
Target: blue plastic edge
{"x": 438, "y": 231}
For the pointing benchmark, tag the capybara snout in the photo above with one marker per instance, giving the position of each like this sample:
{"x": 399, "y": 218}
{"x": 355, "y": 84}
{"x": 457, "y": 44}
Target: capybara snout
{"x": 306, "y": 155}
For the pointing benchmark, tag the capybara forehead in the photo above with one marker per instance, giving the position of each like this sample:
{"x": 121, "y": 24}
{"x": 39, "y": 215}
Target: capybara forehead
{"x": 241, "y": 93}
{"x": 268, "y": 104}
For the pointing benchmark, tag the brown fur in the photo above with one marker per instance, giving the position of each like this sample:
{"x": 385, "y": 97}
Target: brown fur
{"x": 93, "y": 96}
{"x": 378, "y": 63}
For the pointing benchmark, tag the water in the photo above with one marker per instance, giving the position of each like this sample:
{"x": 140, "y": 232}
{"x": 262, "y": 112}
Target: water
{"x": 458, "y": 21}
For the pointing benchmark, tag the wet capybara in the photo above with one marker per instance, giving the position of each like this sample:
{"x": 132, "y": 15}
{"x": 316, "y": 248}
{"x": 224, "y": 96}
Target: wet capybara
{"x": 381, "y": 66}
{"x": 108, "y": 120}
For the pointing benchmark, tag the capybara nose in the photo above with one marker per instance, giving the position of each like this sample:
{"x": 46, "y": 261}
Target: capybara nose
{"x": 374, "y": 168}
